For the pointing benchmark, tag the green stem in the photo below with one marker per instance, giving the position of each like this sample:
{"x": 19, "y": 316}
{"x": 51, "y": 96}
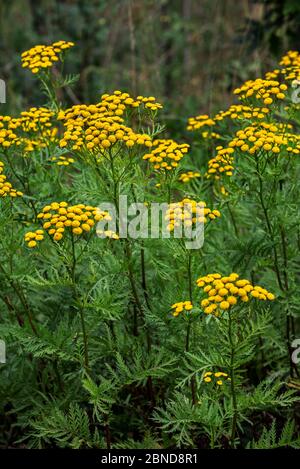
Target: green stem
{"x": 21, "y": 297}
{"x": 232, "y": 383}
{"x": 51, "y": 93}
{"x": 189, "y": 325}
{"x": 143, "y": 273}
{"x": 270, "y": 231}
{"x": 80, "y": 305}
{"x": 290, "y": 326}
{"x": 283, "y": 285}
{"x": 233, "y": 219}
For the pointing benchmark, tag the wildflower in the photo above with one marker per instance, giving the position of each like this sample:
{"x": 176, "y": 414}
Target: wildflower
{"x": 32, "y": 237}
{"x": 234, "y": 112}
{"x": 126, "y": 100}
{"x": 262, "y": 89}
{"x": 107, "y": 234}
{"x": 196, "y": 123}
{"x": 42, "y": 57}
{"x": 181, "y": 307}
{"x": 187, "y": 177}
{"x": 223, "y": 293}
{"x": 6, "y": 189}
{"x": 290, "y": 68}
{"x": 223, "y": 191}
{"x": 240, "y": 111}
{"x": 210, "y": 135}
{"x": 221, "y": 164}
{"x": 166, "y": 154}
{"x": 32, "y": 129}
{"x": 266, "y": 137}
{"x": 210, "y": 377}
{"x": 98, "y": 127}
{"x": 60, "y": 217}
{"x": 188, "y": 212}
{"x": 63, "y": 160}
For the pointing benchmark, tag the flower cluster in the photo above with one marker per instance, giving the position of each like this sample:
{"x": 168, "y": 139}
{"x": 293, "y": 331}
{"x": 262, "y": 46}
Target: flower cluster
{"x": 290, "y": 70}
{"x": 187, "y": 177}
{"x": 31, "y": 238}
{"x": 181, "y": 307}
{"x": 262, "y": 89}
{"x": 210, "y": 135}
{"x": 221, "y": 164}
{"x": 32, "y": 129}
{"x": 35, "y": 119}
{"x": 188, "y": 213}
{"x": 118, "y": 101}
{"x": 63, "y": 160}
{"x": 225, "y": 292}
{"x": 234, "y": 112}
{"x": 219, "y": 377}
{"x": 42, "y": 57}
{"x": 7, "y": 136}
{"x": 60, "y": 216}
{"x": 6, "y": 189}
{"x": 97, "y": 127}
{"x": 166, "y": 154}
{"x": 239, "y": 111}
{"x": 266, "y": 137}
{"x": 196, "y": 123}
{"x": 291, "y": 65}
{"x": 107, "y": 234}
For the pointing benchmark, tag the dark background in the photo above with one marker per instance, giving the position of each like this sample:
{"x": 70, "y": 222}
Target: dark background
{"x": 188, "y": 53}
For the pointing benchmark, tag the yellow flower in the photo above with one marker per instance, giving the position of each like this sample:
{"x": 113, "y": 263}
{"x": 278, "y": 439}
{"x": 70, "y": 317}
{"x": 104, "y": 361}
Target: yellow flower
{"x": 182, "y": 306}
{"x": 166, "y": 154}
{"x": 41, "y": 57}
{"x": 98, "y": 127}
{"x": 188, "y": 213}
{"x": 187, "y": 177}
{"x": 210, "y": 376}
{"x": 31, "y": 237}
{"x": 6, "y": 189}
{"x": 223, "y": 293}
{"x": 261, "y": 89}
{"x": 78, "y": 219}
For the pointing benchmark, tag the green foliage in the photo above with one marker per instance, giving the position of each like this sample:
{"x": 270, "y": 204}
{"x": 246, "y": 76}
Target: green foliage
{"x": 110, "y": 342}
{"x": 270, "y": 440}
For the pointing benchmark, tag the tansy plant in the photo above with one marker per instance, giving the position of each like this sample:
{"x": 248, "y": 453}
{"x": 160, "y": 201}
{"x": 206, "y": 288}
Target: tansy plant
{"x": 120, "y": 341}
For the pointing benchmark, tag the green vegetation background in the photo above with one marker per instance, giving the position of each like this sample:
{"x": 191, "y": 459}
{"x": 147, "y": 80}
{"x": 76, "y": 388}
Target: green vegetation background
{"x": 188, "y": 53}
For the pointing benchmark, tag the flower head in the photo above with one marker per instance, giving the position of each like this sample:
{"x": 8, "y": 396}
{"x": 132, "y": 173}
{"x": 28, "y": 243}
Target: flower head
{"x": 59, "y": 218}
{"x": 32, "y": 238}
{"x": 215, "y": 377}
{"x": 188, "y": 213}
{"x": 166, "y": 154}
{"x": 98, "y": 127}
{"x": 6, "y": 188}
{"x": 181, "y": 307}
{"x": 223, "y": 293}
{"x": 43, "y": 57}
{"x": 63, "y": 160}
{"x": 262, "y": 90}
{"x": 32, "y": 129}
{"x": 190, "y": 175}
{"x": 221, "y": 164}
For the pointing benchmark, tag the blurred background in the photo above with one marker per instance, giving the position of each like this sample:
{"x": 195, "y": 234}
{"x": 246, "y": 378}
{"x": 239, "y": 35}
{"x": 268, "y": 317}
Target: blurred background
{"x": 190, "y": 54}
